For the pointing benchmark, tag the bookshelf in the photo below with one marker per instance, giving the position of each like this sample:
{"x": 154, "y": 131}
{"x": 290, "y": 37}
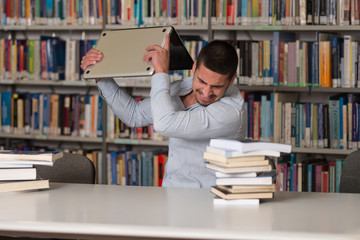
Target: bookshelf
{"x": 208, "y": 30}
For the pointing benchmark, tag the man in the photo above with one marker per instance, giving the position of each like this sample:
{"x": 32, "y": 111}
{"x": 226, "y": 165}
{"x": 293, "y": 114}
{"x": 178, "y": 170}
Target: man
{"x": 189, "y": 112}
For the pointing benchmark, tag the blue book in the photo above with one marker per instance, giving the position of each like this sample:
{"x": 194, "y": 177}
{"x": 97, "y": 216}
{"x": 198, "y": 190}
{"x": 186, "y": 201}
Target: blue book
{"x": 354, "y": 125}
{"x": 250, "y": 100}
{"x": 297, "y": 125}
{"x": 342, "y": 143}
{"x": 134, "y": 169}
{"x": 308, "y": 125}
{"x": 320, "y": 125}
{"x": 50, "y": 9}
{"x": 99, "y": 128}
{"x": 27, "y": 113}
{"x": 313, "y": 65}
{"x": 334, "y": 113}
{"x": 46, "y": 114}
{"x": 244, "y": 11}
{"x": 310, "y": 179}
{"x": 338, "y": 170}
{"x": 292, "y": 174}
{"x": 147, "y": 168}
{"x": 6, "y": 112}
{"x": 335, "y": 62}
{"x": 277, "y": 37}
{"x": 113, "y": 161}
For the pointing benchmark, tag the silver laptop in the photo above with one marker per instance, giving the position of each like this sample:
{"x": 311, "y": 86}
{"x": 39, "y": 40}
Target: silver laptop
{"x": 124, "y": 49}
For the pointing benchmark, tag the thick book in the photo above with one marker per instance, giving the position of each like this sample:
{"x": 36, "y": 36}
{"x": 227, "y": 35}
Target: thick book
{"x": 231, "y": 175}
{"x": 14, "y": 186}
{"x": 237, "y": 169}
{"x": 220, "y": 158}
{"x": 10, "y": 174}
{"x": 247, "y": 188}
{"x": 241, "y": 164}
{"x": 259, "y": 180}
{"x": 231, "y": 153}
{"x": 248, "y": 146}
{"x": 10, "y": 163}
{"x": 229, "y": 196}
{"x": 221, "y": 201}
{"x": 30, "y": 155}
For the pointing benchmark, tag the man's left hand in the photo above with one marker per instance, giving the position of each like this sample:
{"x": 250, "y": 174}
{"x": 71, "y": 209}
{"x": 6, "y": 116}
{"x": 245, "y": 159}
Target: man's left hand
{"x": 159, "y": 57}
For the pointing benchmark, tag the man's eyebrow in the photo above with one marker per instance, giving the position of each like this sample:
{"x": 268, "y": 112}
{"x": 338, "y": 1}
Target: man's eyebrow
{"x": 217, "y": 86}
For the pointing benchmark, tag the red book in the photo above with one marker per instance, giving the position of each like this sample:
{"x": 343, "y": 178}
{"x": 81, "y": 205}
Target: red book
{"x": 162, "y": 158}
{"x": 43, "y": 60}
{"x": 21, "y": 57}
{"x": 324, "y": 181}
{"x": 230, "y": 12}
{"x": 281, "y": 63}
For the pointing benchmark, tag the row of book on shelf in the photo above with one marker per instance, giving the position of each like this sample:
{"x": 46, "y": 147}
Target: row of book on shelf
{"x": 179, "y": 12}
{"x": 50, "y": 114}
{"x": 284, "y": 12}
{"x": 90, "y": 12}
{"x": 328, "y": 61}
{"x": 308, "y": 175}
{"x": 275, "y": 117}
{"x": 53, "y": 58}
{"x": 280, "y": 117}
{"x": 51, "y": 13}
{"x": 18, "y": 171}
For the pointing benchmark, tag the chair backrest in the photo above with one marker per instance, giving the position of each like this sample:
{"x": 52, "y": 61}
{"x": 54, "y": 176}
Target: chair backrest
{"x": 71, "y": 168}
{"x": 350, "y": 176}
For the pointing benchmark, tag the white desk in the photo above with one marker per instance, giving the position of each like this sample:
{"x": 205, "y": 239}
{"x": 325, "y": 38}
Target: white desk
{"x": 109, "y": 212}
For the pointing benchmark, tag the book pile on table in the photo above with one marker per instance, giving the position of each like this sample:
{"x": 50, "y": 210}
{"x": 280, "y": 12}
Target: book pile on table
{"x": 17, "y": 171}
{"x": 244, "y": 173}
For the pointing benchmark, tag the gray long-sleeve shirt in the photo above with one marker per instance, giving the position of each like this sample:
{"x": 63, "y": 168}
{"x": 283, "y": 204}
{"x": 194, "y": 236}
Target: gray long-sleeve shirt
{"x": 189, "y": 129}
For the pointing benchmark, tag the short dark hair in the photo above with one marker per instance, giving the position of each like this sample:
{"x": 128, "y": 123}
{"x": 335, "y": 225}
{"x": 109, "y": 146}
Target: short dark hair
{"x": 220, "y": 57}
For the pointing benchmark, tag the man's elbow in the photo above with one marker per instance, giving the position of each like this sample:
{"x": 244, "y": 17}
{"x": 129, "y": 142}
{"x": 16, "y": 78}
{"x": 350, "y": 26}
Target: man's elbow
{"x": 160, "y": 128}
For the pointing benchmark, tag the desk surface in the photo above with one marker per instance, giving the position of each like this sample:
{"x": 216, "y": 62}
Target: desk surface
{"x": 109, "y": 211}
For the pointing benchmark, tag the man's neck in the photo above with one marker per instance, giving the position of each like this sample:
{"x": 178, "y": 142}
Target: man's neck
{"x": 188, "y": 99}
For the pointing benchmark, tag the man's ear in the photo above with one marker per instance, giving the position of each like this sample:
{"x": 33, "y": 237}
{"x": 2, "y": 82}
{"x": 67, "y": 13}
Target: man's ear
{"x": 232, "y": 79}
{"x": 194, "y": 67}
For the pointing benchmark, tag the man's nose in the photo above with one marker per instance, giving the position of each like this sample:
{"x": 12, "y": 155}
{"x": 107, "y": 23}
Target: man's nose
{"x": 207, "y": 91}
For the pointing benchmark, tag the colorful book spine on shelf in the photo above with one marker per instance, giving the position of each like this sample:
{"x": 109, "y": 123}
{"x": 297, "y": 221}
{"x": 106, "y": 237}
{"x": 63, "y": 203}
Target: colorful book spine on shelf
{"x": 50, "y": 12}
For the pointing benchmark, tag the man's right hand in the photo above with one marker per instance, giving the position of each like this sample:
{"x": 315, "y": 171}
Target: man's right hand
{"x": 92, "y": 57}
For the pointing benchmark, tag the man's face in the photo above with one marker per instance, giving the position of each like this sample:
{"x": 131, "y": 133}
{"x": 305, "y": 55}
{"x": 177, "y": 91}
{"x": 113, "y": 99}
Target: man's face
{"x": 209, "y": 86}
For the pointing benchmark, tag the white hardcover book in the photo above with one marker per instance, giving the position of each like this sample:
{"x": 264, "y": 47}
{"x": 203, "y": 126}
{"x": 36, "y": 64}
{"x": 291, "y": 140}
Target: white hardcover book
{"x": 223, "y": 202}
{"x": 10, "y": 174}
{"x": 235, "y": 175}
{"x": 94, "y": 113}
{"x": 247, "y": 146}
{"x": 347, "y": 61}
{"x": 354, "y": 56}
{"x": 111, "y": 123}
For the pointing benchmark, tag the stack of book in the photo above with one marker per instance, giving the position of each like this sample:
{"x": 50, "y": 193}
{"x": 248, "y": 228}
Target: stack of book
{"x": 17, "y": 171}
{"x": 244, "y": 171}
